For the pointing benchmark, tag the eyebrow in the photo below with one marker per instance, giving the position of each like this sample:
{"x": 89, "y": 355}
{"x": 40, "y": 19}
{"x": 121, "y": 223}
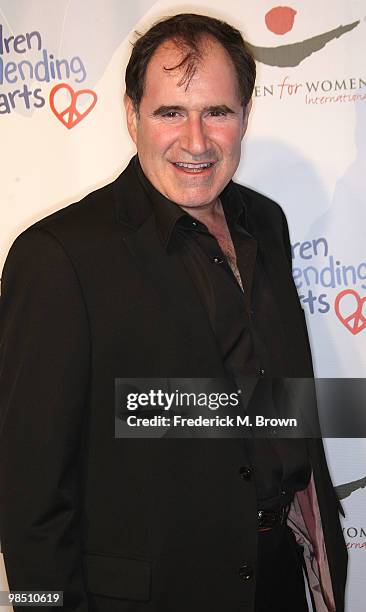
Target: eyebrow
{"x": 221, "y": 108}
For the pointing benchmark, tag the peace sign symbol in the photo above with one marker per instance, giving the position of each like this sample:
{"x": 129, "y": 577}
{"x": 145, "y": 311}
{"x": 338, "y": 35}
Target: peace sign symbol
{"x": 355, "y": 321}
{"x": 71, "y": 116}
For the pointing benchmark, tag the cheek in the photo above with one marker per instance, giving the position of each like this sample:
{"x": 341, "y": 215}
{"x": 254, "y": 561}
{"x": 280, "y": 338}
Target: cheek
{"x": 160, "y": 138}
{"x": 228, "y": 139}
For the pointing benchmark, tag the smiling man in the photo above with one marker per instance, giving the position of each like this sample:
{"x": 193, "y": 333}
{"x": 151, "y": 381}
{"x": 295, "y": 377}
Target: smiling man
{"x": 189, "y": 124}
{"x": 171, "y": 271}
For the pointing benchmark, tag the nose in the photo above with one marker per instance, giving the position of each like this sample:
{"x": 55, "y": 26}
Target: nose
{"x": 194, "y": 138}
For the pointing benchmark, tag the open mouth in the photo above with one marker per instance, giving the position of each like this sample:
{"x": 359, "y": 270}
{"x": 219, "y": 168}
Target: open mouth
{"x": 189, "y": 168}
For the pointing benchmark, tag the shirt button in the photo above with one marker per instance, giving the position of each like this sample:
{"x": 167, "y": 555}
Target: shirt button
{"x": 217, "y": 260}
{"x": 261, "y": 372}
{"x": 283, "y": 492}
{"x": 245, "y": 572}
{"x": 245, "y": 472}
{"x": 194, "y": 223}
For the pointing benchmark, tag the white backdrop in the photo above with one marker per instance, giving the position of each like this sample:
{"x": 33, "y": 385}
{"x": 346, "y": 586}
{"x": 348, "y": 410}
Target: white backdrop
{"x": 305, "y": 147}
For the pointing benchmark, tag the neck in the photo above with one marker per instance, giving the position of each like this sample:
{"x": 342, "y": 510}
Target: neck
{"x": 209, "y": 214}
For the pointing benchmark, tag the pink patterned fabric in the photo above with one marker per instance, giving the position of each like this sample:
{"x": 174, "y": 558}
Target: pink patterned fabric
{"x": 305, "y": 521}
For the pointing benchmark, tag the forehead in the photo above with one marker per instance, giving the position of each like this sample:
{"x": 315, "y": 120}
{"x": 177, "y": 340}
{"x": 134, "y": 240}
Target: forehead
{"x": 214, "y": 72}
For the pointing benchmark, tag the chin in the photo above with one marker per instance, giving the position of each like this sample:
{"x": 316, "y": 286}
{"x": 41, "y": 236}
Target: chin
{"x": 194, "y": 199}
{"x": 193, "y": 202}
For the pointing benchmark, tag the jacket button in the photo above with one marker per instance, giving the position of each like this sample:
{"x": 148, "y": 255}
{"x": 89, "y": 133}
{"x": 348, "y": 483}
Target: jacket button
{"x": 245, "y": 472}
{"x": 261, "y": 372}
{"x": 245, "y": 572}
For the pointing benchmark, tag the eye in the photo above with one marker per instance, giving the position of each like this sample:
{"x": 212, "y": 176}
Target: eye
{"x": 218, "y": 113}
{"x": 170, "y": 115}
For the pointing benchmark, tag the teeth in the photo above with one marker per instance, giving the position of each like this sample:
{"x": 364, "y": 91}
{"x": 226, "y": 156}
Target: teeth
{"x": 193, "y": 166}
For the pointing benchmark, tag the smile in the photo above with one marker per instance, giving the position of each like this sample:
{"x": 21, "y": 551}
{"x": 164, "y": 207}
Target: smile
{"x": 189, "y": 168}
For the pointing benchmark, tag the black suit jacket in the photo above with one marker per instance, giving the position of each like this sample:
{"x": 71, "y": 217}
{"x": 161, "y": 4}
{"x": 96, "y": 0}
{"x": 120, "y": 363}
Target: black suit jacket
{"x": 90, "y": 295}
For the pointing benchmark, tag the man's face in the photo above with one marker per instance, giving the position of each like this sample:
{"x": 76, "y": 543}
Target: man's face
{"x": 201, "y": 125}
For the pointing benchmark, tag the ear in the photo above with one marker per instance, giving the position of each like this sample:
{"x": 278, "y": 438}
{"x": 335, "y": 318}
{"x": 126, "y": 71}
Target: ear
{"x": 246, "y": 112}
{"x": 131, "y": 117}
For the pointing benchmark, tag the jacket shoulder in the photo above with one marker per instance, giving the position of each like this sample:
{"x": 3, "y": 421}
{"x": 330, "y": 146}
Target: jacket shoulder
{"x": 97, "y": 207}
{"x": 259, "y": 205}
{"x": 78, "y": 227}
{"x": 76, "y": 230}
{"x": 266, "y": 217}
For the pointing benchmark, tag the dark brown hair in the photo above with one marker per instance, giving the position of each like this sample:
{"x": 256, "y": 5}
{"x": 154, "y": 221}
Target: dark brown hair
{"x": 188, "y": 30}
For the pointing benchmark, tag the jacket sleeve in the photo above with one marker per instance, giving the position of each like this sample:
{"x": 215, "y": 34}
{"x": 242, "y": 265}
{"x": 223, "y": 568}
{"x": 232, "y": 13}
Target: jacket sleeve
{"x": 286, "y": 238}
{"x": 44, "y": 371}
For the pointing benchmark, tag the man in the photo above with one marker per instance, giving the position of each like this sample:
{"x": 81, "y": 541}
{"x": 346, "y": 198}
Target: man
{"x": 171, "y": 271}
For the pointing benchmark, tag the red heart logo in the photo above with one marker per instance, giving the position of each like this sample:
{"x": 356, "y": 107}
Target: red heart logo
{"x": 354, "y": 321}
{"x": 71, "y": 116}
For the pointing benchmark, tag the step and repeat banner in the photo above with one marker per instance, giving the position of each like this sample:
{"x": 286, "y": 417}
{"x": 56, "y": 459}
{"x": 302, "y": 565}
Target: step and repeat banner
{"x": 63, "y": 135}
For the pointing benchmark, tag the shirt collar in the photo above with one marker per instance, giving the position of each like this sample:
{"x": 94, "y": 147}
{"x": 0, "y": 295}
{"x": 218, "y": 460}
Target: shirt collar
{"x": 168, "y": 213}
